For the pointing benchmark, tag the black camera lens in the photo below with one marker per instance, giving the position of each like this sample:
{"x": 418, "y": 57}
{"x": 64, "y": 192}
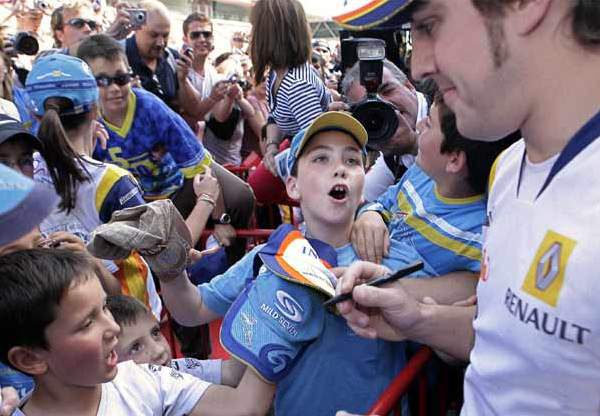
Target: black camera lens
{"x": 379, "y": 120}
{"x": 26, "y": 44}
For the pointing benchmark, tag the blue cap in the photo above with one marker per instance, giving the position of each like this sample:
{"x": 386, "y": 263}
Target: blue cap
{"x": 24, "y": 204}
{"x": 329, "y": 121}
{"x": 63, "y": 76}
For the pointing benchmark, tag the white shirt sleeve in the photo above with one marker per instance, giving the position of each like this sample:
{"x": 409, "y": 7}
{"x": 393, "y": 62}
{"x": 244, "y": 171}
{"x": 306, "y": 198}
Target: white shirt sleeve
{"x": 207, "y": 370}
{"x": 149, "y": 389}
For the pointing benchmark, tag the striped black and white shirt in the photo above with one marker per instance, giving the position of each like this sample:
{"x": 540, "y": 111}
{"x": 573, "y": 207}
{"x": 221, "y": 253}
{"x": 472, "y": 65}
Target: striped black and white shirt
{"x": 301, "y": 97}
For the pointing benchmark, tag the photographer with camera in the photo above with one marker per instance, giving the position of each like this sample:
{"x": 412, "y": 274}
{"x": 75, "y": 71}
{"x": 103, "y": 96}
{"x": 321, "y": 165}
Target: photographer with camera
{"x": 156, "y": 64}
{"x": 198, "y": 44}
{"x": 397, "y": 151}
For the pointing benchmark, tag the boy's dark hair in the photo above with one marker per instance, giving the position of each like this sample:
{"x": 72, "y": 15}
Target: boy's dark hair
{"x": 195, "y": 17}
{"x": 101, "y": 46}
{"x": 34, "y": 283}
{"x": 125, "y": 309}
{"x": 480, "y": 155}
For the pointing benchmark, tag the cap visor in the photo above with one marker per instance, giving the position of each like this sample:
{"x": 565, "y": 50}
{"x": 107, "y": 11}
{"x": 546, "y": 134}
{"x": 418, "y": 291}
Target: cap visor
{"x": 28, "y": 214}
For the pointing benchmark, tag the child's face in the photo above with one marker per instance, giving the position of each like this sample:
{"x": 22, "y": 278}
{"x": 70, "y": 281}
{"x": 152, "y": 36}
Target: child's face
{"x": 113, "y": 97}
{"x": 82, "y": 339}
{"x": 429, "y": 157}
{"x": 330, "y": 179}
{"x": 17, "y": 155}
{"x": 143, "y": 342}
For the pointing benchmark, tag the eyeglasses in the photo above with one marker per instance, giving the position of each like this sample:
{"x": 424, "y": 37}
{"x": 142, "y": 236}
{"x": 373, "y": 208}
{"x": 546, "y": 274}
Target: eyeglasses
{"x": 79, "y": 23}
{"x": 207, "y": 34}
{"x": 120, "y": 79}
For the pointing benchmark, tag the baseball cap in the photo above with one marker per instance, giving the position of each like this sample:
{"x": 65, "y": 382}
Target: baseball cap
{"x": 329, "y": 121}
{"x": 24, "y": 204}
{"x": 9, "y": 128}
{"x": 63, "y": 76}
{"x": 368, "y": 14}
{"x": 156, "y": 229}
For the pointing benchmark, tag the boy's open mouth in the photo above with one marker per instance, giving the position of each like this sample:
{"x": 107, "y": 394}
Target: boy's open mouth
{"x": 338, "y": 192}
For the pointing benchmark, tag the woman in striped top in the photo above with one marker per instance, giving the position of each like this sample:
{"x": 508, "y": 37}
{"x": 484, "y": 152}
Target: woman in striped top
{"x": 281, "y": 43}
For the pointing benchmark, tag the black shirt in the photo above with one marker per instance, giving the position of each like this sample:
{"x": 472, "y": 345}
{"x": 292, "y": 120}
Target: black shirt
{"x": 162, "y": 83}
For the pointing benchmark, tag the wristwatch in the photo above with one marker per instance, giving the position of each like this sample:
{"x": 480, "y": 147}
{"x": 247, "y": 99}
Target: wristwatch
{"x": 223, "y": 219}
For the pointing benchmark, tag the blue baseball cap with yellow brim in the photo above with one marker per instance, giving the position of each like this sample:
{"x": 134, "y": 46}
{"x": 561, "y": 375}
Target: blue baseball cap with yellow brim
{"x": 329, "y": 121}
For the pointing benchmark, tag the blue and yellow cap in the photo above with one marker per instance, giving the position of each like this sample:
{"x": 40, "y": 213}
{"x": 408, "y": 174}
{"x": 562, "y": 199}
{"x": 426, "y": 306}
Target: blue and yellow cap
{"x": 329, "y": 121}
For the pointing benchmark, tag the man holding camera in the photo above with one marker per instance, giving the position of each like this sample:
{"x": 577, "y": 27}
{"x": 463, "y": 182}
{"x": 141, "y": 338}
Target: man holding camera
{"x": 198, "y": 44}
{"x": 156, "y": 64}
{"x": 397, "y": 151}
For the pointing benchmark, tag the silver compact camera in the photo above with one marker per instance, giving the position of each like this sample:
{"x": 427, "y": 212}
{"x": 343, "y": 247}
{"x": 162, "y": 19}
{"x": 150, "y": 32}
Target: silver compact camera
{"x": 137, "y": 17}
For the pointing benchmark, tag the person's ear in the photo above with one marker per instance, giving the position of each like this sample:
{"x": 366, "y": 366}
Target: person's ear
{"x": 456, "y": 162}
{"x": 291, "y": 186}
{"x": 527, "y": 15}
{"x": 28, "y": 360}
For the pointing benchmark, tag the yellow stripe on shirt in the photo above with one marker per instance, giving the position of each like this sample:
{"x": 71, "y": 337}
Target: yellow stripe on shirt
{"x": 433, "y": 235}
{"x": 110, "y": 177}
{"x": 200, "y": 167}
{"x": 132, "y": 275}
{"x": 123, "y": 130}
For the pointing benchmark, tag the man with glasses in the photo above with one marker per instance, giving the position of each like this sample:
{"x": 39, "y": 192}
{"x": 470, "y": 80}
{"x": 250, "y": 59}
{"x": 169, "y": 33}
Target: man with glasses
{"x": 71, "y": 23}
{"x": 198, "y": 40}
{"x": 147, "y": 138}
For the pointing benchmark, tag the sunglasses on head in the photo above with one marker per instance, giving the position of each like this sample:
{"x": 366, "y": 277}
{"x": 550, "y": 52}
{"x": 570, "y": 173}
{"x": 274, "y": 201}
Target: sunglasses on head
{"x": 78, "y": 23}
{"x": 119, "y": 79}
{"x": 204, "y": 33}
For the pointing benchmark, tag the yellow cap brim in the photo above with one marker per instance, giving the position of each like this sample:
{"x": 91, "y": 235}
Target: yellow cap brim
{"x": 336, "y": 120}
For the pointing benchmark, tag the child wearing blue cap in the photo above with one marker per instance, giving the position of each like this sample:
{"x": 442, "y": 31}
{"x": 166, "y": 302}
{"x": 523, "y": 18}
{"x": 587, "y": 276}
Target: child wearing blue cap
{"x": 64, "y": 95}
{"x": 278, "y": 325}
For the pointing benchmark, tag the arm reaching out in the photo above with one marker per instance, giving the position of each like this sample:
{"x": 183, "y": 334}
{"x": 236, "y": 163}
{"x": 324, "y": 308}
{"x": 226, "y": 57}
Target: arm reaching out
{"x": 392, "y": 313}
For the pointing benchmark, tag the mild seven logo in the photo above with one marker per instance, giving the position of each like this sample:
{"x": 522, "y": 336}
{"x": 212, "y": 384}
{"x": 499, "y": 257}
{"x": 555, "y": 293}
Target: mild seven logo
{"x": 288, "y": 306}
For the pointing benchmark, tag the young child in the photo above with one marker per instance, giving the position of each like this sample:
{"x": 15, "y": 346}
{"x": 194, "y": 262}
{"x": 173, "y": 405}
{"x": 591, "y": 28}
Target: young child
{"x": 317, "y": 350}
{"x": 141, "y": 341}
{"x": 65, "y": 95}
{"x": 336, "y": 368}
{"x": 17, "y": 146}
{"x": 56, "y": 327}
{"x": 438, "y": 206}
{"x": 156, "y": 145}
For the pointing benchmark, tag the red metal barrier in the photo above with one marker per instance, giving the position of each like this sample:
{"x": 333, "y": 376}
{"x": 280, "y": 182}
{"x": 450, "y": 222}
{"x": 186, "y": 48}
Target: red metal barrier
{"x": 400, "y": 384}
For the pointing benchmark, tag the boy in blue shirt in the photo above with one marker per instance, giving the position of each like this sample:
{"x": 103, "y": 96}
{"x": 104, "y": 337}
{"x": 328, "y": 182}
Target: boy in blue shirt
{"x": 321, "y": 366}
{"x": 154, "y": 143}
{"x": 438, "y": 206}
